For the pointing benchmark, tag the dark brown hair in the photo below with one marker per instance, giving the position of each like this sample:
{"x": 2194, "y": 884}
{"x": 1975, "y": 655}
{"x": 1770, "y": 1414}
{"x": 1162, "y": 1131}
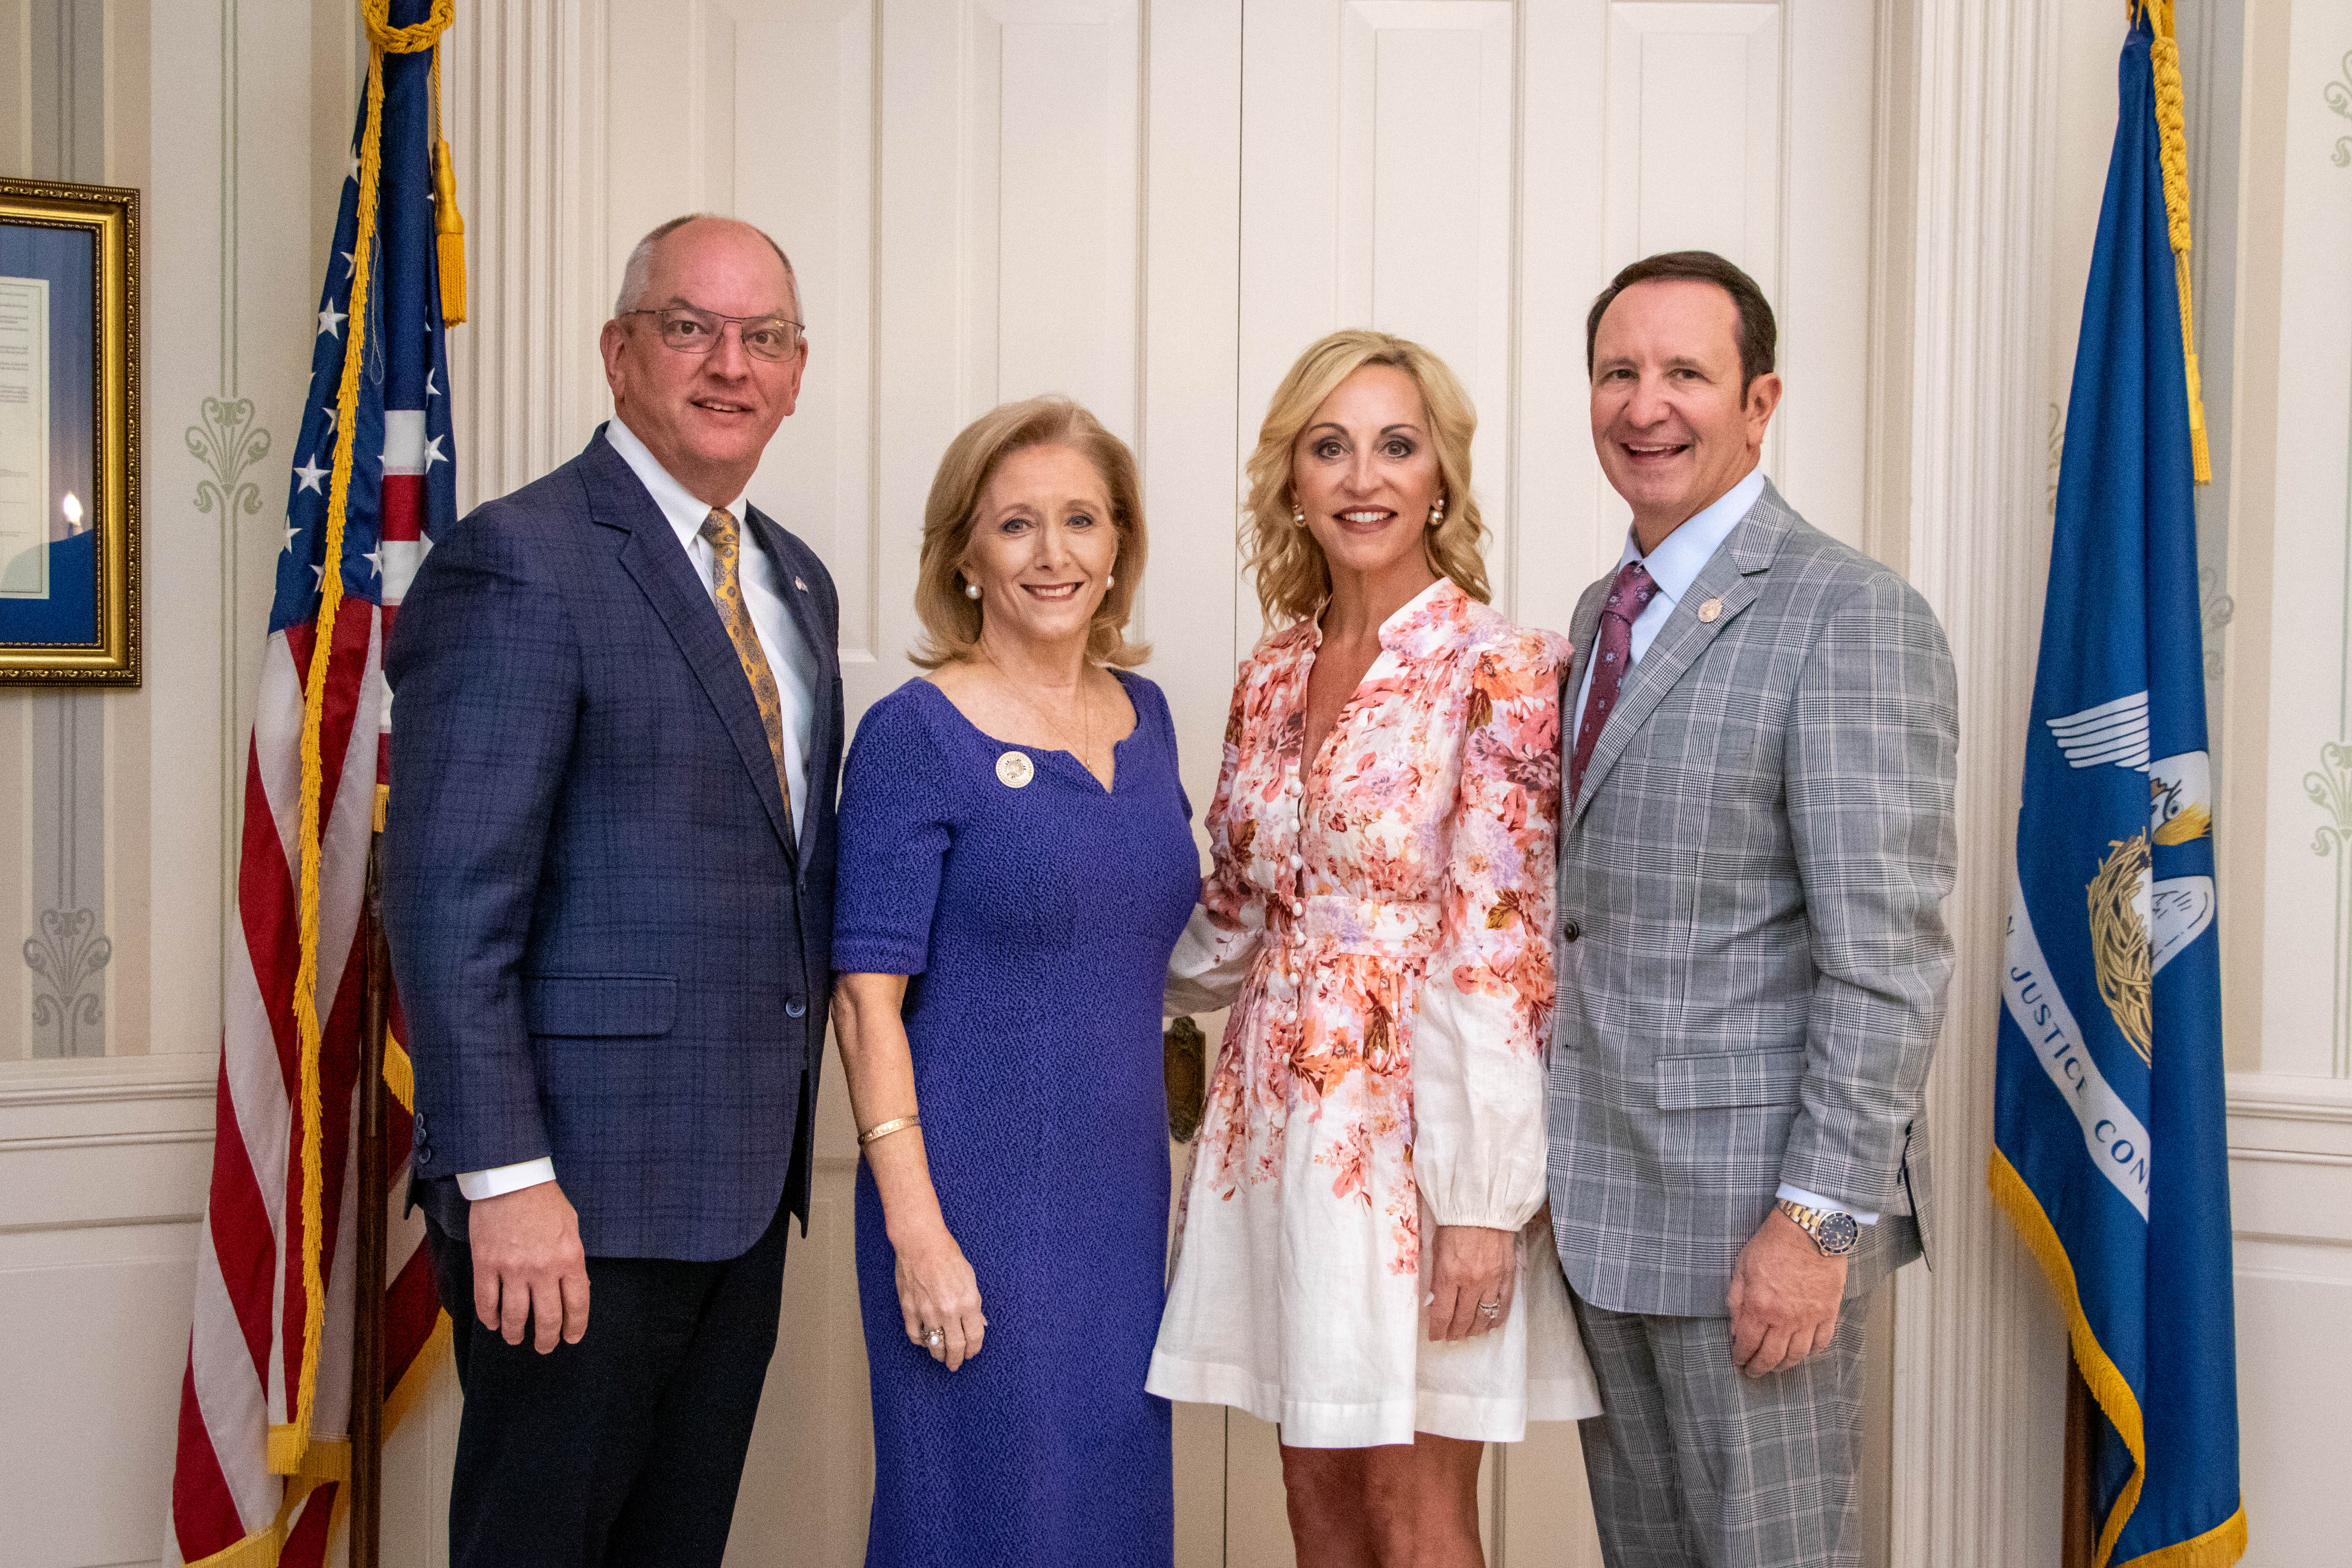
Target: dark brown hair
{"x": 1760, "y": 335}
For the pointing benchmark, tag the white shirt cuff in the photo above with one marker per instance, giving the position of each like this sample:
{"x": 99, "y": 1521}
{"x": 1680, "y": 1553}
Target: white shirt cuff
{"x": 479, "y": 1185}
{"x": 1797, "y": 1195}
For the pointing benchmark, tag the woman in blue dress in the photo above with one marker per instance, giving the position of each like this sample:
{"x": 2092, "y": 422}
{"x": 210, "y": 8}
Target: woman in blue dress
{"x": 1016, "y": 864}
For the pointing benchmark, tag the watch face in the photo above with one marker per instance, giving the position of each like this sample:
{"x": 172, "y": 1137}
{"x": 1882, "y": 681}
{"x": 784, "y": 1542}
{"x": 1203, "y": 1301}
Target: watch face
{"x": 1837, "y": 1234}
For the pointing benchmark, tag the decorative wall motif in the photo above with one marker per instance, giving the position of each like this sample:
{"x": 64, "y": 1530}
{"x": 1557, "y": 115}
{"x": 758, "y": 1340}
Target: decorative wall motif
{"x": 66, "y": 955}
{"x": 228, "y": 442}
{"x": 2339, "y": 99}
{"x": 2217, "y": 609}
{"x": 2330, "y": 788}
{"x": 65, "y": 890}
{"x": 2057, "y": 449}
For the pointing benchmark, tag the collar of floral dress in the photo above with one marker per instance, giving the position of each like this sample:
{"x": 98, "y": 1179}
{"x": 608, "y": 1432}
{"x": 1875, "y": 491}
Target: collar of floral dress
{"x": 1423, "y": 625}
{"x": 1427, "y": 622}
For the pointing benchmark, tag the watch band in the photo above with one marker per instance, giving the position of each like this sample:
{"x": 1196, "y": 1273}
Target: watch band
{"x": 1834, "y": 1231}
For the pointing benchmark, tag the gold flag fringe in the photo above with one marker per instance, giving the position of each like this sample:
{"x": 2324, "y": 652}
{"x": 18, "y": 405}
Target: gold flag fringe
{"x": 2218, "y": 1547}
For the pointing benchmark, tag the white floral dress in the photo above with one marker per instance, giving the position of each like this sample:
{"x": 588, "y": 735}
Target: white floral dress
{"x": 1378, "y": 918}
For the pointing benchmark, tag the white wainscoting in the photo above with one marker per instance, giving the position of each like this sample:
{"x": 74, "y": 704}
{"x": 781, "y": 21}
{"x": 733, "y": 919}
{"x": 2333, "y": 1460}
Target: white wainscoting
{"x": 1979, "y": 1374}
{"x": 2291, "y": 1215}
{"x": 103, "y": 1168}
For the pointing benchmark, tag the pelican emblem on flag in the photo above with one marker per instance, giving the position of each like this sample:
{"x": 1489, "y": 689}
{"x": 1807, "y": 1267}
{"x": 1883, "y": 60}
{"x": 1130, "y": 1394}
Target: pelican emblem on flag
{"x": 2119, "y": 897}
{"x": 2138, "y": 924}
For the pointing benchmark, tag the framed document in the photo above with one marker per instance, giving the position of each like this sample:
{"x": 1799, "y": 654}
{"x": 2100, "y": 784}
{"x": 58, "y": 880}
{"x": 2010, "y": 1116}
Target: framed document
{"x": 68, "y": 434}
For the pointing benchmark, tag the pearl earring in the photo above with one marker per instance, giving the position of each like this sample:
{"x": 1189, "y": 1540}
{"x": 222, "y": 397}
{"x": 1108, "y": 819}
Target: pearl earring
{"x": 1297, "y": 515}
{"x": 1437, "y": 512}
{"x": 1110, "y": 580}
{"x": 971, "y": 590}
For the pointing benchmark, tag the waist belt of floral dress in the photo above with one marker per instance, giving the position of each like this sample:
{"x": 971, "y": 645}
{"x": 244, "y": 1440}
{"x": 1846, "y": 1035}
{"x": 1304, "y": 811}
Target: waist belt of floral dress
{"x": 1334, "y": 923}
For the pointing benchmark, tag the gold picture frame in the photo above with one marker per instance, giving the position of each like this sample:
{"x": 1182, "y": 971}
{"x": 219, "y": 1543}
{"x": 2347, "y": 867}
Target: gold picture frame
{"x": 68, "y": 434}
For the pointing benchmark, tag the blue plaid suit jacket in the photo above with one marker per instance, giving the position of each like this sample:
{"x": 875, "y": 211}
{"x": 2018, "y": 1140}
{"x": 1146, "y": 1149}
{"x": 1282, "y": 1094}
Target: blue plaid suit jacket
{"x": 1751, "y": 950}
{"x": 609, "y": 948}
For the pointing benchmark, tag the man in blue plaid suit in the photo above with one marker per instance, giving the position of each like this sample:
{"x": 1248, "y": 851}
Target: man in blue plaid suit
{"x": 1760, "y": 726}
{"x": 608, "y": 883}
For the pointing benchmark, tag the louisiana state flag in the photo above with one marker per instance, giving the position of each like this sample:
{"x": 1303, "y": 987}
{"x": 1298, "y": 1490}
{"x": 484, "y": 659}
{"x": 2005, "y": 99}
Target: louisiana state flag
{"x": 2108, "y": 1141}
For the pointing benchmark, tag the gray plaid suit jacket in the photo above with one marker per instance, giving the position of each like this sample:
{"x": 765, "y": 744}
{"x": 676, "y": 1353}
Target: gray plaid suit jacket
{"x": 1752, "y": 947}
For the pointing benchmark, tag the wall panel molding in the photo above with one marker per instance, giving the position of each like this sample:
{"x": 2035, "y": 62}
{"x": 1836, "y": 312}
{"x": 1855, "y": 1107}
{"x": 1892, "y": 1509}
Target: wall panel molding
{"x": 1980, "y": 1375}
{"x": 525, "y": 108}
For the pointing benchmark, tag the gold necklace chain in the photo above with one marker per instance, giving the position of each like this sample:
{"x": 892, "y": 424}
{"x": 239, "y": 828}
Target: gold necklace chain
{"x": 1086, "y": 710}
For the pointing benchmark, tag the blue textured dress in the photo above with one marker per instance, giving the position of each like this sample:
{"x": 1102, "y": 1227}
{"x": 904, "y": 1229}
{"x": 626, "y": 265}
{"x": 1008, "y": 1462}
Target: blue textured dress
{"x": 1036, "y": 921}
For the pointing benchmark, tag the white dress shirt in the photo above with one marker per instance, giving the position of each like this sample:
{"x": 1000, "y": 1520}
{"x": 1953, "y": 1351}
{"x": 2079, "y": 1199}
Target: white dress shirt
{"x": 789, "y": 659}
{"x": 1674, "y": 567}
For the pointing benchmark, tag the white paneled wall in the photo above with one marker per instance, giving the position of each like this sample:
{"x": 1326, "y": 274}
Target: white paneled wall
{"x": 1697, "y": 94}
{"x": 1153, "y": 212}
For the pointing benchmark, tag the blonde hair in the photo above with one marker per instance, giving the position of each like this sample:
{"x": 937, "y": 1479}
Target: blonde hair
{"x": 950, "y": 620}
{"x": 1291, "y": 576}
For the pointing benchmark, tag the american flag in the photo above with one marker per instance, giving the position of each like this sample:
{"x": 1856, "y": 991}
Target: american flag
{"x": 267, "y": 1398}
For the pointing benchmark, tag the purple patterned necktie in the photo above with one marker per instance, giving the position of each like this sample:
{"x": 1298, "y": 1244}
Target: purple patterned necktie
{"x": 1612, "y": 650}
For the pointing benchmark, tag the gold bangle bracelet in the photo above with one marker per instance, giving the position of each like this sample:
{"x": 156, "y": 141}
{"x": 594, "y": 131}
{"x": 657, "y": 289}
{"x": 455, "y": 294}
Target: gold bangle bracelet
{"x": 900, "y": 1125}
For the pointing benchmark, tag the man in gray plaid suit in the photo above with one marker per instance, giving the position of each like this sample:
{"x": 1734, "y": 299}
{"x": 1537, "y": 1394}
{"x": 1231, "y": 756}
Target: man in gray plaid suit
{"x": 1758, "y": 836}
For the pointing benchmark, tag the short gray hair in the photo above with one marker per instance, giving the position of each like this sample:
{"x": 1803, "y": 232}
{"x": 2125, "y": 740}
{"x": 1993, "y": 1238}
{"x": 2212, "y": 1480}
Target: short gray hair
{"x": 638, "y": 272}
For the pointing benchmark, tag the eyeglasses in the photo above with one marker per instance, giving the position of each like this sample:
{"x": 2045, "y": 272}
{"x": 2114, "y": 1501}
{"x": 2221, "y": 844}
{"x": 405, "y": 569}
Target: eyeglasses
{"x": 688, "y": 330}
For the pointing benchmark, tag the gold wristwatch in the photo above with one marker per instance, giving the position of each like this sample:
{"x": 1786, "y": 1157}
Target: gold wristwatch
{"x": 1833, "y": 1233}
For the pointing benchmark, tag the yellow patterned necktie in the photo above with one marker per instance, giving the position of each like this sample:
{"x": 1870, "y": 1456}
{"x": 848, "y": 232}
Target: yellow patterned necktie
{"x": 726, "y": 588}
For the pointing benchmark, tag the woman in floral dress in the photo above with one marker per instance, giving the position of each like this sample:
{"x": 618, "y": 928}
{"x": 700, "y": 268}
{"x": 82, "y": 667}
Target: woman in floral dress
{"x": 1359, "y": 1255}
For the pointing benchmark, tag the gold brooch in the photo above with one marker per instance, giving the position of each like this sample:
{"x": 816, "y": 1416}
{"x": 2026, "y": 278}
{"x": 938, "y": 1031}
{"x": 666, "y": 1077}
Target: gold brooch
{"x": 1014, "y": 769}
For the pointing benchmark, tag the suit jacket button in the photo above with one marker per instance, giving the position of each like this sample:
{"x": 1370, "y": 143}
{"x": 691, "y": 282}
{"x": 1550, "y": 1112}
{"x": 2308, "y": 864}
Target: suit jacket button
{"x": 1569, "y": 930}
{"x": 795, "y": 1008}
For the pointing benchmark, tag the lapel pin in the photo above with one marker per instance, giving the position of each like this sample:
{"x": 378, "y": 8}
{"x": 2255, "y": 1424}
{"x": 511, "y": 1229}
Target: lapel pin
{"x": 801, "y": 585}
{"x": 1708, "y": 611}
{"x": 1014, "y": 769}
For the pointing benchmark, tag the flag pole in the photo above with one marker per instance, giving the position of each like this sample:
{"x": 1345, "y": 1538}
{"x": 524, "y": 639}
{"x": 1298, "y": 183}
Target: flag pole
{"x": 367, "y": 1330}
{"x": 2078, "y": 1534}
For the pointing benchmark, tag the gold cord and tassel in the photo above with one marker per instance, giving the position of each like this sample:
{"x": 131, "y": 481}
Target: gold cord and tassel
{"x": 2171, "y": 124}
{"x": 448, "y": 222}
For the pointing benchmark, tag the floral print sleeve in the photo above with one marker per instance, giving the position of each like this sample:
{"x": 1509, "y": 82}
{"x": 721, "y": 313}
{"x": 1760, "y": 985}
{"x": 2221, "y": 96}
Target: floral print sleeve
{"x": 1483, "y": 1025}
{"x": 1213, "y": 957}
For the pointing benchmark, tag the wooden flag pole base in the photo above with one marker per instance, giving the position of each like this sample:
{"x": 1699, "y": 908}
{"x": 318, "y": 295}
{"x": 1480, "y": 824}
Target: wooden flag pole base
{"x": 367, "y": 1330}
{"x": 2079, "y": 1533}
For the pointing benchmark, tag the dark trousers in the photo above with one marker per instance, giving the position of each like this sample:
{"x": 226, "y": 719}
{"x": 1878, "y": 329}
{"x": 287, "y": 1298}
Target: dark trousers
{"x": 627, "y": 1447}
